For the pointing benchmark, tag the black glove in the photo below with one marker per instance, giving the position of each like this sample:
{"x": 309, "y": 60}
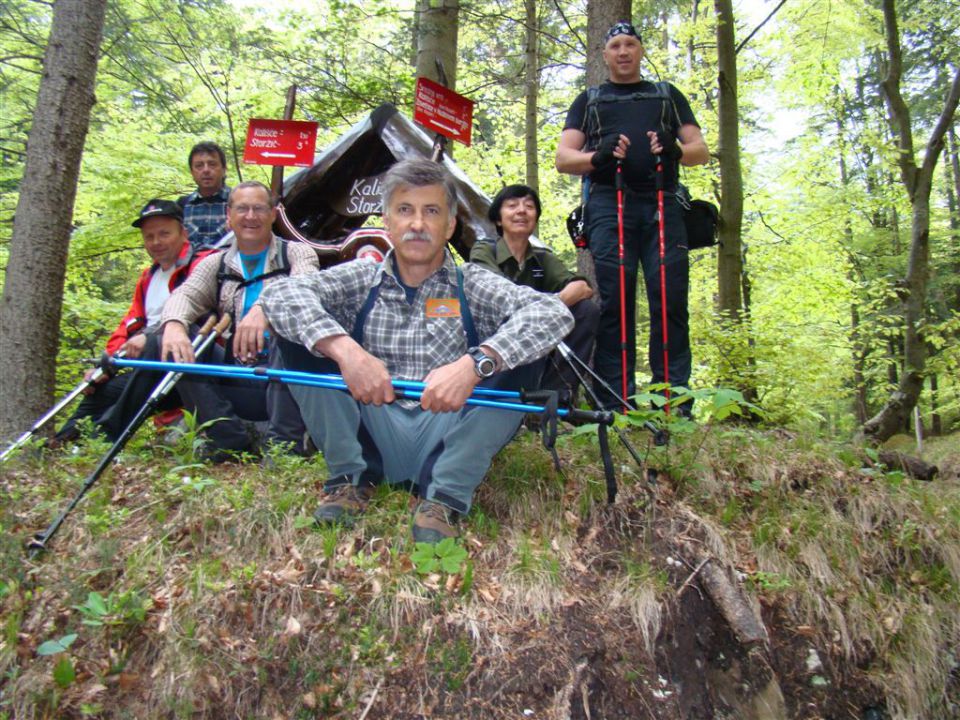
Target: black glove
{"x": 604, "y": 154}
{"x": 668, "y": 141}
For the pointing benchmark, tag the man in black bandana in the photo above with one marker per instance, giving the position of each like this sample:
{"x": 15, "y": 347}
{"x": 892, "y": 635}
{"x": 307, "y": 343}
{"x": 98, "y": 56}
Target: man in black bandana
{"x": 632, "y": 121}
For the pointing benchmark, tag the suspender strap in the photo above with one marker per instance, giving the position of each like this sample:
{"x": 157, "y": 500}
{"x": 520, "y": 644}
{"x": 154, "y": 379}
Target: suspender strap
{"x": 357, "y": 332}
{"x": 466, "y": 317}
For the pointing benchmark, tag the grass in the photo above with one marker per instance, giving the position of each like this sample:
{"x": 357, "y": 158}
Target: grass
{"x": 216, "y": 591}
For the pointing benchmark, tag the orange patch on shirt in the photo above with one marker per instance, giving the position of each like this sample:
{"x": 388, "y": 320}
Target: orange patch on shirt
{"x": 443, "y": 307}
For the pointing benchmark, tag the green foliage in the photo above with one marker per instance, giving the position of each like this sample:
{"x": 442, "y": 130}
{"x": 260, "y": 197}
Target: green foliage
{"x": 116, "y": 609}
{"x": 52, "y": 647}
{"x": 445, "y": 556}
{"x": 64, "y": 673}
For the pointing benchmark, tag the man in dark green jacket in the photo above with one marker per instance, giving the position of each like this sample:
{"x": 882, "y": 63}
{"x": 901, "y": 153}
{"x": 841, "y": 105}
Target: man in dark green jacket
{"x": 515, "y": 212}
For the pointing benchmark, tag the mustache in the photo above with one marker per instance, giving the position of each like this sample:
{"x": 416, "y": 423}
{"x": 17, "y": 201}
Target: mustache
{"x": 416, "y": 235}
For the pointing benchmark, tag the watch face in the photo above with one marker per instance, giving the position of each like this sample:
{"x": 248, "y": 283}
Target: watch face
{"x": 486, "y": 367}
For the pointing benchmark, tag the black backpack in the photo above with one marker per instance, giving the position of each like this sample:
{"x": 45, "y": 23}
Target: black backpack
{"x": 701, "y": 218}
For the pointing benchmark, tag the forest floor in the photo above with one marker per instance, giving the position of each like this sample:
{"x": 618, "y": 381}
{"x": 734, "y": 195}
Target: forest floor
{"x": 741, "y": 573}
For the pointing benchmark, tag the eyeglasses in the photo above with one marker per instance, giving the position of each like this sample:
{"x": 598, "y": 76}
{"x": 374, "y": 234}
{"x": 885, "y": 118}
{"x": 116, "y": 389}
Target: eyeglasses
{"x": 255, "y": 209}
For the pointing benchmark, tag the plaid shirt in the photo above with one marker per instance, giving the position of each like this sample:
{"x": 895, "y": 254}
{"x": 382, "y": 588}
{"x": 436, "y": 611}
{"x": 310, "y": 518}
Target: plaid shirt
{"x": 198, "y": 293}
{"x": 413, "y": 338}
{"x": 205, "y": 217}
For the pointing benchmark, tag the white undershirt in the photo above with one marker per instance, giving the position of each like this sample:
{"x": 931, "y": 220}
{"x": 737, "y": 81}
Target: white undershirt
{"x": 157, "y": 293}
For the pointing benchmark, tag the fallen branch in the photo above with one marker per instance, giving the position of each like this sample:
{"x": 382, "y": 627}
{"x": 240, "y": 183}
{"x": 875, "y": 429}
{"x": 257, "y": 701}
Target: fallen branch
{"x": 372, "y": 698}
{"x": 689, "y": 580}
{"x": 912, "y": 466}
{"x": 732, "y": 604}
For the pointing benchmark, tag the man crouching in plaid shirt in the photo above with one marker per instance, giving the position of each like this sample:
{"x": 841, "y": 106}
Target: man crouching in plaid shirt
{"x": 415, "y": 316}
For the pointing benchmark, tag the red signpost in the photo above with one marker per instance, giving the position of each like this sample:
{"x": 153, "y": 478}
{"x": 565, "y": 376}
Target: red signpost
{"x": 280, "y": 142}
{"x": 442, "y": 110}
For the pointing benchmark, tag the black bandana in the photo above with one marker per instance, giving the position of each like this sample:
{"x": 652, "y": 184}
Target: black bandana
{"x": 621, "y": 28}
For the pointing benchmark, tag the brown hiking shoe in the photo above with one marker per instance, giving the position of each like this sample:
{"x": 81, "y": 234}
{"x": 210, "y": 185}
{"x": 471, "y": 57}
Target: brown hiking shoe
{"x": 343, "y": 504}
{"x": 432, "y": 522}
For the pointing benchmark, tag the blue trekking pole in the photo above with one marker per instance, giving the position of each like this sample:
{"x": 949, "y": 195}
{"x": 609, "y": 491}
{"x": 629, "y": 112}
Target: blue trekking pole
{"x": 409, "y": 389}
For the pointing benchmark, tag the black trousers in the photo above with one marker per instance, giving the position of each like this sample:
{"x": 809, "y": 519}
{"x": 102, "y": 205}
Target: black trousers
{"x": 641, "y": 251}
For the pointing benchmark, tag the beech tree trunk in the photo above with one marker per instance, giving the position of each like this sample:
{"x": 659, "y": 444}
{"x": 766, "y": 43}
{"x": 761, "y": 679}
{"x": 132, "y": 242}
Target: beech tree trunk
{"x": 437, "y": 26}
{"x": 953, "y": 196}
{"x": 856, "y": 341}
{"x": 601, "y": 14}
{"x": 729, "y": 258}
{"x": 918, "y": 183}
{"x": 33, "y": 289}
{"x": 532, "y": 93}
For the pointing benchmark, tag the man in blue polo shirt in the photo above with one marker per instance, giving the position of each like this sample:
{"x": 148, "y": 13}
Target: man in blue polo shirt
{"x": 205, "y": 209}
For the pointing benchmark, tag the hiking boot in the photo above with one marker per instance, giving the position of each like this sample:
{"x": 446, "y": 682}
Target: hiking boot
{"x": 683, "y": 410}
{"x": 432, "y": 522}
{"x": 343, "y": 504}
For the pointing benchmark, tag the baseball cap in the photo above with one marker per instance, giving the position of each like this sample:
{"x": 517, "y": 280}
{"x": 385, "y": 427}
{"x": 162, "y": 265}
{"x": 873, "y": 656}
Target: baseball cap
{"x": 159, "y": 208}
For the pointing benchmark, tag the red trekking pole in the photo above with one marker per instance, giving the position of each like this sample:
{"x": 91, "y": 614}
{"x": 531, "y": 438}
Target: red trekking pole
{"x": 623, "y": 284}
{"x": 661, "y": 221}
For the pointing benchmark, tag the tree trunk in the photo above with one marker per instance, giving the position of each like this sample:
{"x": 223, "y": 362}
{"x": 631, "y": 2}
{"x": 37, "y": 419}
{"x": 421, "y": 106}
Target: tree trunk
{"x": 953, "y": 197}
{"x": 532, "y": 92}
{"x": 729, "y": 259}
{"x": 856, "y": 341}
{"x": 437, "y": 40}
{"x": 33, "y": 290}
{"x": 936, "y": 422}
{"x": 601, "y": 15}
{"x": 694, "y": 13}
{"x": 918, "y": 182}
{"x": 437, "y": 24}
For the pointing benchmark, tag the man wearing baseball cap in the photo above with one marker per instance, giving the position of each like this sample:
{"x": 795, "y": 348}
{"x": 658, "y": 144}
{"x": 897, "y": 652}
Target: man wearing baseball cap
{"x": 165, "y": 239}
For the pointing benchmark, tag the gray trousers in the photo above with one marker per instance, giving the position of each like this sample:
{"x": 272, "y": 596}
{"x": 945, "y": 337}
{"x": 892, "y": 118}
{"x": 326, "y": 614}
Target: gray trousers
{"x": 445, "y": 455}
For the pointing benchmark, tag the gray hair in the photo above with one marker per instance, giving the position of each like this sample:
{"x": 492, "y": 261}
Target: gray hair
{"x": 418, "y": 173}
{"x": 249, "y": 184}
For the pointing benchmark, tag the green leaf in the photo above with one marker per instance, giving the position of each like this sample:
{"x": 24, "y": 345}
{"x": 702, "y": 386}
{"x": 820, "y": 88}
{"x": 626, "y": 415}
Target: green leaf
{"x": 52, "y": 647}
{"x": 424, "y": 558}
{"x": 63, "y": 672}
{"x": 452, "y": 564}
{"x": 445, "y": 547}
{"x": 96, "y": 604}
{"x": 427, "y": 565}
{"x": 302, "y": 522}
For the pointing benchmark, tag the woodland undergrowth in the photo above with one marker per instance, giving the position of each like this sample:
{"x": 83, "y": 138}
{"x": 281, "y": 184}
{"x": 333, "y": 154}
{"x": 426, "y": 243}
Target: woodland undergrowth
{"x": 178, "y": 589}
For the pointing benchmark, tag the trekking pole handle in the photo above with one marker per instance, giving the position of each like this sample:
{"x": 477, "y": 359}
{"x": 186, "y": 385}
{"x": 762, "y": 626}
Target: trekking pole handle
{"x": 212, "y": 321}
{"x": 601, "y": 417}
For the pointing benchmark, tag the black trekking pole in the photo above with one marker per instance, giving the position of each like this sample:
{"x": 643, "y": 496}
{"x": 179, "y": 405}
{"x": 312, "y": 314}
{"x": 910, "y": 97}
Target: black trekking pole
{"x": 95, "y": 376}
{"x": 660, "y": 435}
{"x": 207, "y": 334}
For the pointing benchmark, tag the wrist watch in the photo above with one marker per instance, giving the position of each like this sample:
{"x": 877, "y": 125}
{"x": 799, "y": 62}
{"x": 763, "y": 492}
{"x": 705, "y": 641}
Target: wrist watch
{"x": 483, "y": 365}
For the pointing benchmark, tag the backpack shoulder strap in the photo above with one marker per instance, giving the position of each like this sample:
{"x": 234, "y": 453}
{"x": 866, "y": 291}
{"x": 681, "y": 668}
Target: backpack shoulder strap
{"x": 223, "y": 274}
{"x": 663, "y": 90}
